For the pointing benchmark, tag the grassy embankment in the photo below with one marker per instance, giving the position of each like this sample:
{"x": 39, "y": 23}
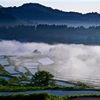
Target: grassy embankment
{"x": 46, "y": 96}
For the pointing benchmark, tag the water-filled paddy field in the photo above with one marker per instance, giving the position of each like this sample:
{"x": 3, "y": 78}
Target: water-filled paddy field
{"x": 71, "y": 63}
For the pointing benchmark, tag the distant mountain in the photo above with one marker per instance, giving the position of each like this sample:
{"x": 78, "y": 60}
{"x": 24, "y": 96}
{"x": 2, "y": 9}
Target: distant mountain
{"x": 6, "y": 16}
{"x": 37, "y": 12}
{"x": 1, "y": 6}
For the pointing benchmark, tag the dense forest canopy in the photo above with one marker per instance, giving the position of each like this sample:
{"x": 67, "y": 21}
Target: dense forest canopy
{"x": 38, "y": 12}
{"x": 51, "y": 34}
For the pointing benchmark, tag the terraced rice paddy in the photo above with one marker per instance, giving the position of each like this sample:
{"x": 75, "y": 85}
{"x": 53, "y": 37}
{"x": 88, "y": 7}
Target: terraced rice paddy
{"x": 22, "y": 69}
{"x": 17, "y": 75}
{"x": 11, "y": 69}
{"x": 16, "y": 66}
{"x": 5, "y": 77}
{"x": 63, "y": 67}
{"x": 3, "y": 61}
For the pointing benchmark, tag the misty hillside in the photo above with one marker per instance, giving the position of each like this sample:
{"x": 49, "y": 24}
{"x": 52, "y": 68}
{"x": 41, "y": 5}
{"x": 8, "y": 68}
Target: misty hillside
{"x": 1, "y": 6}
{"x": 52, "y": 34}
{"x": 37, "y": 12}
{"x": 6, "y": 16}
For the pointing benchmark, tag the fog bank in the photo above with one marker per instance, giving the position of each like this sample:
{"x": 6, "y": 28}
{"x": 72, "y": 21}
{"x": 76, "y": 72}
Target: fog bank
{"x": 72, "y": 62}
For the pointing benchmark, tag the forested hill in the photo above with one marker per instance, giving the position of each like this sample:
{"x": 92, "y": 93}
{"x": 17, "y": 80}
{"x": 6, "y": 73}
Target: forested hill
{"x": 37, "y": 12}
{"x": 1, "y": 6}
{"x": 52, "y": 34}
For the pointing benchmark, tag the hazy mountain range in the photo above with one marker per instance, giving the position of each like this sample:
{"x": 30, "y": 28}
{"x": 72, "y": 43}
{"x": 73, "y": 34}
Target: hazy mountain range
{"x": 1, "y": 6}
{"x": 37, "y": 12}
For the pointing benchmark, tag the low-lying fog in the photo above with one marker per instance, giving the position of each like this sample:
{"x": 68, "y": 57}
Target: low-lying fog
{"x": 71, "y": 62}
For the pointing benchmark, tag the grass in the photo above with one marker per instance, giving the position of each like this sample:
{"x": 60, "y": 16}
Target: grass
{"x": 3, "y": 71}
{"x": 42, "y": 96}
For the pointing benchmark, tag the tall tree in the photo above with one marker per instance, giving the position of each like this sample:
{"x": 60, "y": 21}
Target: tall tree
{"x": 43, "y": 78}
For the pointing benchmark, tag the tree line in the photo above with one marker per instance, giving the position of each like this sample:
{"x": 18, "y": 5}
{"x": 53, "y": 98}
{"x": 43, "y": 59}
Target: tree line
{"x": 52, "y": 34}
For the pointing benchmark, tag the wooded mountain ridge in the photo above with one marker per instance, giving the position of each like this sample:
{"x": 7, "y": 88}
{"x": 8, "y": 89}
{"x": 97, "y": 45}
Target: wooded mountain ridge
{"x": 38, "y": 12}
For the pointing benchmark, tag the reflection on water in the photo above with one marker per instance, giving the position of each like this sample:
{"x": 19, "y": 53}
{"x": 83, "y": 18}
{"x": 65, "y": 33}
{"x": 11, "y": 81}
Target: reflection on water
{"x": 54, "y": 92}
{"x": 5, "y": 77}
{"x": 64, "y": 83}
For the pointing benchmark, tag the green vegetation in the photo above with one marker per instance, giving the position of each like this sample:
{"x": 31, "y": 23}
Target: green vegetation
{"x": 51, "y": 34}
{"x": 42, "y": 96}
{"x": 43, "y": 78}
{"x": 2, "y": 71}
{"x": 69, "y": 97}
{"x": 36, "y": 96}
{"x": 3, "y": 82}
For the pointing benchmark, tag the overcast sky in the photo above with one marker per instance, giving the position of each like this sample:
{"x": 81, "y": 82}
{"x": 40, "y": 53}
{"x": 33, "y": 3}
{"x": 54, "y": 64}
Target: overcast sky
{"x": 83, "y": 6}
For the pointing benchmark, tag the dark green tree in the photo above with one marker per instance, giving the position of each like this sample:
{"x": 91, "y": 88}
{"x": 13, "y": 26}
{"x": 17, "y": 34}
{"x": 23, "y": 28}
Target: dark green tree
{"x": 4, "y": 82}
{"x": 43, "y": 78}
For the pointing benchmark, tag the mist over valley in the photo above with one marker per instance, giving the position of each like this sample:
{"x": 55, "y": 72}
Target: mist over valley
{"x": 68, "y": 62}
{"x": 67, "y": 44}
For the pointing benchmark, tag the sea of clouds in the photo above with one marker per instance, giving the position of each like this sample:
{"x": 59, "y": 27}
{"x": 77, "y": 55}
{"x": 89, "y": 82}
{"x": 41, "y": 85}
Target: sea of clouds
{"x": 16, "y": 48}
{"x": 72, "y": 61}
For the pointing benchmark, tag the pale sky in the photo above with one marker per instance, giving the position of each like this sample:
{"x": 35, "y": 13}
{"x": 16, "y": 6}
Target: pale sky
{"x": 83, "y": 6}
